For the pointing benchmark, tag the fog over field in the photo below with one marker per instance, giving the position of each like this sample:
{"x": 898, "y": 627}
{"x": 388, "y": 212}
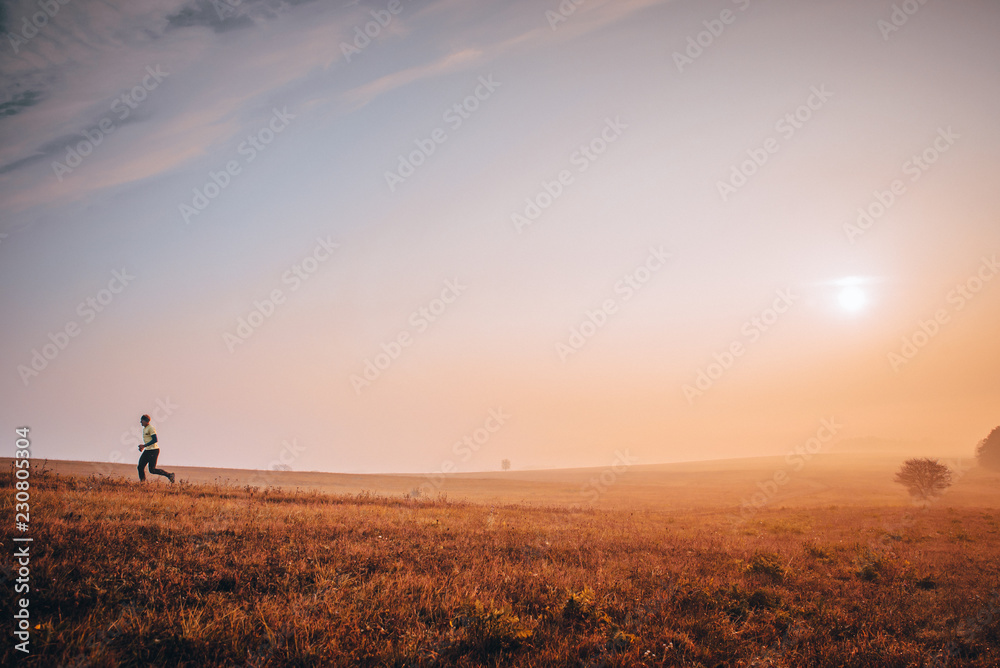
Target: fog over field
{"x": 744, "y": 487}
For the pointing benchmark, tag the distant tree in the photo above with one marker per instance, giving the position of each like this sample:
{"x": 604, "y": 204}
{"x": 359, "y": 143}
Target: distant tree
{"x": 988, "y": 450}
{"x": 505, "y": 464}
{"x": 924, "y": 478}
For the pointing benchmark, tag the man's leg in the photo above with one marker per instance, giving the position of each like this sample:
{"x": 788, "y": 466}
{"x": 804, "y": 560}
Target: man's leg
{"x": 143, "y": 460}
{"x": 152, "y": 464}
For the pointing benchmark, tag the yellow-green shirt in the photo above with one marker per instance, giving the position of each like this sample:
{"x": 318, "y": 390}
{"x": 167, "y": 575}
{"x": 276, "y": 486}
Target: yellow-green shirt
{"x": 147, "y": 435}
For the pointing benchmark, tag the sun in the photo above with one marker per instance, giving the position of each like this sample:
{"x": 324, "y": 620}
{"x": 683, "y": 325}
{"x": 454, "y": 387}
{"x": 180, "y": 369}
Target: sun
{"x": 852, "y": 298}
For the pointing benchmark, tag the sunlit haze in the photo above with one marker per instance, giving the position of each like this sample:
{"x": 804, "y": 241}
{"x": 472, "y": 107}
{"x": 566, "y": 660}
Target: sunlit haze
{"x": 430, "y": 235}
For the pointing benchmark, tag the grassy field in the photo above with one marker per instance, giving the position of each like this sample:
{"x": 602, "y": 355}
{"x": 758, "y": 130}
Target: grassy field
{"x": 657, "y": 567}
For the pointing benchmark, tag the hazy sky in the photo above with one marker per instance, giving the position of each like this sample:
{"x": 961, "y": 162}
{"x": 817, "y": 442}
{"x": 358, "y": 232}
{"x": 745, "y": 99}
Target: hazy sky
{"x": 350, "y": 235}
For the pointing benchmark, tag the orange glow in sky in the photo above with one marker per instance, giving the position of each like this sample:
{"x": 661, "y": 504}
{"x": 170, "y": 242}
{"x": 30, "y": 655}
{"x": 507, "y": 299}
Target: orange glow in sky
{"x": 359, "y": 235}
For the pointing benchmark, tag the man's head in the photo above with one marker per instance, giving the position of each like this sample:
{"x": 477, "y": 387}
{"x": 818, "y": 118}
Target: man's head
{"x": 144, "y": 420}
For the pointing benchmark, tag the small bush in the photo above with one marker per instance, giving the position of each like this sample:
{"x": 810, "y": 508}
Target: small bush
{"x": 869, "y": 573}
{"x": 580, "y": 607}
{"x": 764, "y": 600}
{"x": 767, "y": 563}
{"x": 490, "y": 630}
{"x": 818, "y": 552}
{"x": 620, "y": 641}
{"x": 872, "y": 566}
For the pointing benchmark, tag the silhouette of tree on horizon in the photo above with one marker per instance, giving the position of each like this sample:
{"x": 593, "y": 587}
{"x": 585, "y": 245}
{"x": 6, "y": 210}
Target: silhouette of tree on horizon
{"x": 924, "y": 478}
{"x": 988, "y": 450}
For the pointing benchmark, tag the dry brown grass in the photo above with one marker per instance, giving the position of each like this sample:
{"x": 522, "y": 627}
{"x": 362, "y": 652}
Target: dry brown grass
{"x": 209, "y": 574}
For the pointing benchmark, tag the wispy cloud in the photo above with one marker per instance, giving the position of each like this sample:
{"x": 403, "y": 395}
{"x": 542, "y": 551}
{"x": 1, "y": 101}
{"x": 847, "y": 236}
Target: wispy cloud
{"x": 586, "y": 19}
{"x": 358, "y": 97}
{"x": 52, "y": 97}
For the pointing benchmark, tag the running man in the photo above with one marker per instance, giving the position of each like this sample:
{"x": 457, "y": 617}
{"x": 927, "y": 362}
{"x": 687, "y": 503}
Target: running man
{"x": 150, "y": 449}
